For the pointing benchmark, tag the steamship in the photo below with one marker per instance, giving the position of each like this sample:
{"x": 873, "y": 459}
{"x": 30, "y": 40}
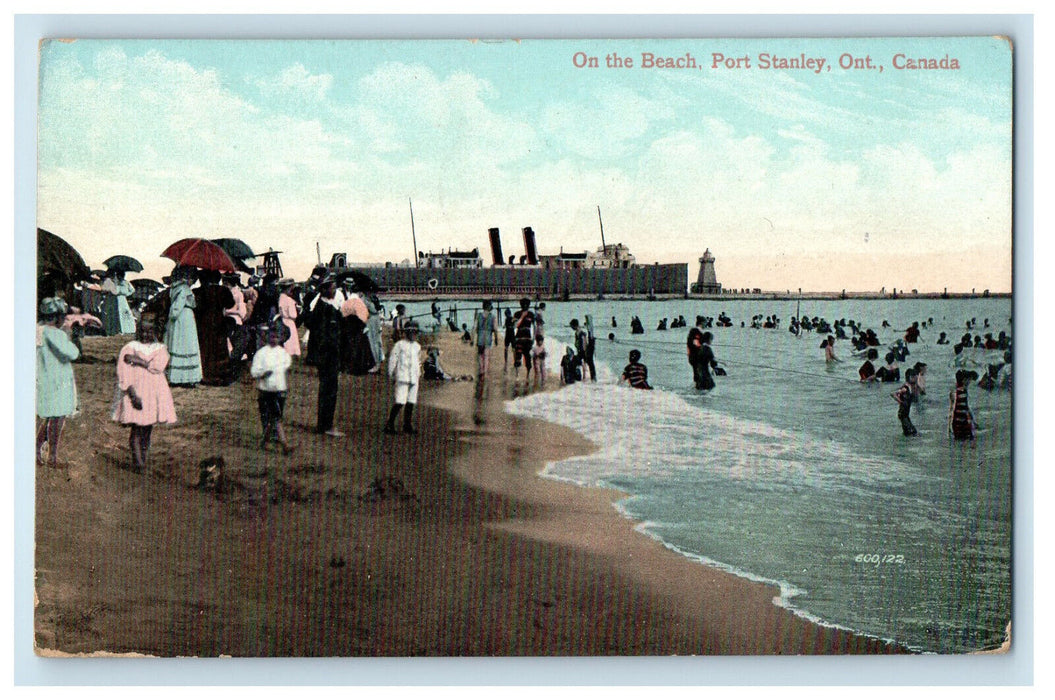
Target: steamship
{"x": 609, "y": 271}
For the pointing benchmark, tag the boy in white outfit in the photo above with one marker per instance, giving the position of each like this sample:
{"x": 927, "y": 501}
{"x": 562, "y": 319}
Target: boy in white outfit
{"x": 270, "y": 364}
{"x": 404, "y": 368}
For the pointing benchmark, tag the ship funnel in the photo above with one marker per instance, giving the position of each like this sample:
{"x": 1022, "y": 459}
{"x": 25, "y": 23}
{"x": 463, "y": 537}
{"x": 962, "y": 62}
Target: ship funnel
{"x": 496, "y": 246}
{"x": 529, "y": 246}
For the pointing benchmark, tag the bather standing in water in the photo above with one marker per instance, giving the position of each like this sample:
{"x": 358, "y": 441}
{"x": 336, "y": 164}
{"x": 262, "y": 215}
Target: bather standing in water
{"x": 701, "y": 357}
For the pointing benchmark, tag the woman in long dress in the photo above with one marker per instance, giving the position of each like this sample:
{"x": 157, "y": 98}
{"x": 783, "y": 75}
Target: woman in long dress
{"x": 117, "y": 314}
{"x": 143, "y": 398}
{"x": 211, "y": 300}
{"x": 287, "y": 310}
{"x": 373, "y": 330}
{"x": 56, "y": 387}
{"x": 181, "y": 335}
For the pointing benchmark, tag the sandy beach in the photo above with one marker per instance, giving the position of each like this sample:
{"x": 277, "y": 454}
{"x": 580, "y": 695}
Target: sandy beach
{"x": 444, "y": 543}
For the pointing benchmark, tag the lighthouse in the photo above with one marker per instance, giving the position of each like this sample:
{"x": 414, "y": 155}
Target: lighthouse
{"x": 707, "y": 282}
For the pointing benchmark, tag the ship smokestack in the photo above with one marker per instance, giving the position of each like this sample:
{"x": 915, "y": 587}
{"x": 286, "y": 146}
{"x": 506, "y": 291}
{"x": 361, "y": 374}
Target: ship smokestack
{"x": 496, "y": 246}
{"x": 529, "y": 246}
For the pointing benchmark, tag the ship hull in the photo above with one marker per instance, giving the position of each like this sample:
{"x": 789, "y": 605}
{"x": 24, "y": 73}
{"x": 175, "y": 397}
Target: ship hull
{"x": 517, "y": 281}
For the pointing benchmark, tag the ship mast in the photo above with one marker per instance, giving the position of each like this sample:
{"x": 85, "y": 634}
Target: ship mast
{"x": 603, "y": 247}
{"x": 413, "y": 233}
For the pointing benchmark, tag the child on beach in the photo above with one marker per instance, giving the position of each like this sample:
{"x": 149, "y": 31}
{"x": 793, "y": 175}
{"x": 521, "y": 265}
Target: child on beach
{"x": 904, "y": 397}
{"x": 143, "y": 398}
{"x": 570, "y": 369}
{"x": 538, "y": 360}
{"x": 404, "y": 368}
{"x": 56, "y": 388}
{"x": 636, "y": 374}
{"x": 961, "y": 422}
{"x": 270, "y": 364}
{"x": 399, "y": 320}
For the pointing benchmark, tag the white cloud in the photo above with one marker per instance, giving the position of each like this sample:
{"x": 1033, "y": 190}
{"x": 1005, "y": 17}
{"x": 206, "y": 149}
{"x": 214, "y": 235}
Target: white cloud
{"x": 296, "y": 81}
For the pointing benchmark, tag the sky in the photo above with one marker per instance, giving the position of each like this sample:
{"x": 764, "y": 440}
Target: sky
{"x": 824, "y": 180}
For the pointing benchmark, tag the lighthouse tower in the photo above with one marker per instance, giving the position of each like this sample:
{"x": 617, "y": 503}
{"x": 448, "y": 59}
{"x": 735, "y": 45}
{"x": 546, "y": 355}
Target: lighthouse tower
{"x": 707, "y": 282}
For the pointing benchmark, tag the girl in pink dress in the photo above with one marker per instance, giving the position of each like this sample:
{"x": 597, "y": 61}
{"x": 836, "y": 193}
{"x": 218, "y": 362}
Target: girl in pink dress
{"x": 287, "y": 309}
{"x": 143, "y": 397}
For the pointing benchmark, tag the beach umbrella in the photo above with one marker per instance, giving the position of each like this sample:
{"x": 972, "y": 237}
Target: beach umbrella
{"x": 145, "y": 289}
{"x": 200, "y": 253}
{"x": 59, "y": 258}
{"x": 235, "y": 247}
{"x": 239, "y": 252}
{"x": 123, "y": 263}
{"x": 363, "y": 283}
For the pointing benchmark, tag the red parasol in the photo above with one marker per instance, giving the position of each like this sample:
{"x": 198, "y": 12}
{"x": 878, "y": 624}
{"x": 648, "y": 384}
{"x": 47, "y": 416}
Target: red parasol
{"x": 200, "y": 253}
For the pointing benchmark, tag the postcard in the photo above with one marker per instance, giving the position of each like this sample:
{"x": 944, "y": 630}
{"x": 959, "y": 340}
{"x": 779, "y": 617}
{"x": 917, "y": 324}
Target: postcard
{"x": 478, "y": 348}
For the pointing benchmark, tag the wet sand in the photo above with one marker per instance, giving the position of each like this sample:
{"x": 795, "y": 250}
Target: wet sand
{"x": 444, "y": 543}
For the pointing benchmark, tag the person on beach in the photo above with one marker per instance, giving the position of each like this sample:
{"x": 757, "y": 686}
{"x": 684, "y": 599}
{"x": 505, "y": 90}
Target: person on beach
{"x": 373, "y": 331}
{"x": 56, "y": 386}
{"x": 867, "y": 372}
{"x": 486, "y": 328}
{"x": 579, "y": 341}
{"x": 524, "y": 334}
{"x": 234, "y": 318}
{"x": 508, "y": 338}
{"x": 570, "y": 368}
{"x": 287, "y": 311}
{"x": 117, "y": 314}
{"x": 211, "y": 301}
{"x": 143, "y": 398}
{"x": 591, "y": 345}
{"x": 904, "y": 397}
{"x": 399, "y": 320}
{"x": 538, "y": 360}
{"x": 270, "y": 364}
{"x": 636, "y": 374}
{"x": 961, "y": 421}
{"x": 404, "y": 369}
{"x": 701, "y": 357}
{"x": 358, "y": 358}
{"x": 324, "y": 351}
{"x": 181, "y": 332}
{"x": 436, "y": 312}
{"x": 264, "y": 312}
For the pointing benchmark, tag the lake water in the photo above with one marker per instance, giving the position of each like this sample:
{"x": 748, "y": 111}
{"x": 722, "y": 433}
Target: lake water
{"x": 794, "y": 473}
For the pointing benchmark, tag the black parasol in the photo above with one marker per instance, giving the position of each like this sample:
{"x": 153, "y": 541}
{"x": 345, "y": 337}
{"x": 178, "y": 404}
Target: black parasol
{"x": 123, "y": 263}
{"x": 239, "y": 251}
{"x": 363, "y": 283}
{"x": 145, "y": 289}
{"x": 58, "y": 258}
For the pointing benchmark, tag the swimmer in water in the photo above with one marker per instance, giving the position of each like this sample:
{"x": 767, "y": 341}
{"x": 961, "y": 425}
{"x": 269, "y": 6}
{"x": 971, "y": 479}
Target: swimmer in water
{"x": 904, "y": 397}
{"x": 636, "y": 374}
{"x": 961, "y": 421}
{"x": 867, "y": 372}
